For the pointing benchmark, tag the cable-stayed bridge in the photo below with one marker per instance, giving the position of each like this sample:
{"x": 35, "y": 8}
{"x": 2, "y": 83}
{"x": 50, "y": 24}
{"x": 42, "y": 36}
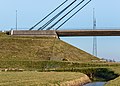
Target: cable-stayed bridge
{"x": 47, "y": 29}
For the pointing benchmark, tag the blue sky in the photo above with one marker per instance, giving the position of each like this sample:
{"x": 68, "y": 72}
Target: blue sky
{"x": 31, "y": 11}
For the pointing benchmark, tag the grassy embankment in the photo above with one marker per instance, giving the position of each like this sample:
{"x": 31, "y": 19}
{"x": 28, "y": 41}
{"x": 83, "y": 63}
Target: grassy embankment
{"x": 37, "y": 49}
{"x": 115, "y": 82}
{"x": 41, "y": 78}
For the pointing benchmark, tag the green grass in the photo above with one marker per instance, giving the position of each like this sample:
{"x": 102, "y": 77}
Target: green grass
{"x": 36, "y": 78}
{"x": 115, "y": 82}
{"x": 56, "y": 65}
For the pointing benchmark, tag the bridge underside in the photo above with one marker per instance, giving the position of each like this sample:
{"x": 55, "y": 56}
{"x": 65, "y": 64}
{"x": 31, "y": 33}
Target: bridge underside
{"x": 63, "y": 33}
{"x": 88, "y": 32}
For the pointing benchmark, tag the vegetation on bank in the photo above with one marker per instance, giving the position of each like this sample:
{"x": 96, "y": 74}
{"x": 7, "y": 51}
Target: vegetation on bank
{"x": 96, "y": 71}
{"x": 40, "y": 78}
{"x": 116, "y": 81}
{"x": 53, "y": 65}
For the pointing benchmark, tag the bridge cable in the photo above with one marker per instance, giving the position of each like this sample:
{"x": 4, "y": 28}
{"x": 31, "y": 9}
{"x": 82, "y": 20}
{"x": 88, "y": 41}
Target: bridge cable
{"x": 46, "y": 24}
{"x": 48, "y": 15}
{"x": 65, "y": 15}
{"x": 73, "y": 15}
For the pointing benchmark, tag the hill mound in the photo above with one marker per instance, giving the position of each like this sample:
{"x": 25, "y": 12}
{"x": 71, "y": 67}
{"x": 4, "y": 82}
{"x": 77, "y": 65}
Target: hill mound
{"x": 14, "y": 48}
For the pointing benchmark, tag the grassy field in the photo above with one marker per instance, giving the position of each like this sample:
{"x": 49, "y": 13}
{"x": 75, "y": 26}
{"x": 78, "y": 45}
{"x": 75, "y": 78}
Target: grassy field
{"x": 37, "y": 78}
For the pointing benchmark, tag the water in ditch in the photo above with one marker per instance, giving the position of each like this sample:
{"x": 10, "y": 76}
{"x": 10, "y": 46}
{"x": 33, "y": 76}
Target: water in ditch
{"x": 96, "y": 84}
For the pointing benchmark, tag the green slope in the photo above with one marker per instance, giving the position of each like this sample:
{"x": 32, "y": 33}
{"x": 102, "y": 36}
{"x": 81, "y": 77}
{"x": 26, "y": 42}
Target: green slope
{"x": 37, "y": 48}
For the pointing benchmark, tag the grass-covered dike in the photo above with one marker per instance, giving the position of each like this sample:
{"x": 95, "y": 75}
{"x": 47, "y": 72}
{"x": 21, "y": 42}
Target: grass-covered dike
{"x": 27, "y": 60}
{"x": 15, "y": 48}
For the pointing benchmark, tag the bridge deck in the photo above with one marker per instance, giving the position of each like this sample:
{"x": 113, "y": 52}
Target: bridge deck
{"x": 88, "y": 32}
{"x": 63, "y": 33}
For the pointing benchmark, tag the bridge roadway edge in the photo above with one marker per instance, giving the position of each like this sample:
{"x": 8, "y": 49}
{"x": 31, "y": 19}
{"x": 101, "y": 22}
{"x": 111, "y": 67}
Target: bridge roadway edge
{"x": 64, "y": 33}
